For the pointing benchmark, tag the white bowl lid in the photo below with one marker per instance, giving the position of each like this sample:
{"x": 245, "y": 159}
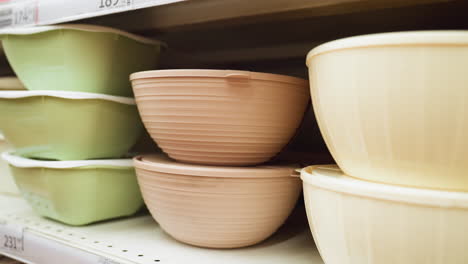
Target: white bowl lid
{"x": 67, "y": 95}
{"x": 330, "y": 177}
{"x": 21, "y": 162}
{"x": 80, "y": 27}
{"x": 161, "y": 163}
{"x": 434, "y": 37}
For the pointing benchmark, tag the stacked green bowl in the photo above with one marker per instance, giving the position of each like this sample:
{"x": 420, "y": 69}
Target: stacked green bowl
{"x": 78, "y": 113}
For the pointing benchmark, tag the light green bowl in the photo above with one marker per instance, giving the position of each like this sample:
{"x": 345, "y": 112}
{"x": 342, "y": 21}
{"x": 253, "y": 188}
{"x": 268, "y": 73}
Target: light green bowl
{"x": 68, "y": 125}
{"x": 78, "y": 57}
{"x": 77, "y": 192}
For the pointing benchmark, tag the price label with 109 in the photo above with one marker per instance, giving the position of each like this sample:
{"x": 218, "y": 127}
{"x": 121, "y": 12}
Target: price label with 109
{"x": 108, "y": 4}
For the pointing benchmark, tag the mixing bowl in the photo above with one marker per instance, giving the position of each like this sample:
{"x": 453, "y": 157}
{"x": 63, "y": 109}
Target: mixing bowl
{"x": 392, "y": 107}
{"x": 68, "y": 125}
{"x": 77, "y": 192}
{"x": 220, "y": 117}
{"x": 359, "y": 222}
{"x": 84, "y": 58}
{"x": 217, "y": 207}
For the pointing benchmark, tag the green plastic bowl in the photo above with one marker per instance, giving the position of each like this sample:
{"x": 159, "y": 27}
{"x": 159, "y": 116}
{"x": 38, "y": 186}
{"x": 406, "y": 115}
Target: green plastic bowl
{"x": 77, "y": 192}
{"x": 68, "y": 125}
{"x": 78, "y": 57}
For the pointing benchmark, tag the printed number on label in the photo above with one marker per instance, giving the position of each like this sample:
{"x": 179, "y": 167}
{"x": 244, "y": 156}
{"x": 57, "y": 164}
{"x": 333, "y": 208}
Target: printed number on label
{"x": 13, "y": 243}
{"x": 24, "y": 15}
{"x": 12, "y": 237}
{"x": 106, "y": 4}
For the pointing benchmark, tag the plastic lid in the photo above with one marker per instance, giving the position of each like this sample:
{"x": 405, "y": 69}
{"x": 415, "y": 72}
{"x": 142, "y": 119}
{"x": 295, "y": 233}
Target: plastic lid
{"x": 21, "y": 162}
{"x": 228, "y": 74}
{"x": 161, "y": 163}
{"x": 330, "y": 177}
{"x": 81, "y": 27}
{"x": 67, "y": 95}
{"x": 441, "y": 37}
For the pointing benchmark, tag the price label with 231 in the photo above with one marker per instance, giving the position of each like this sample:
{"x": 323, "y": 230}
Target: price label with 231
{"x": 12, "y": 237}
{"x": 13, "y": 243}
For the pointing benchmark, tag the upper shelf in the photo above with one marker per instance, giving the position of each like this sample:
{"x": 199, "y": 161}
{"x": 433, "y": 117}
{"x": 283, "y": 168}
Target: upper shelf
{"x": 259, "y": 35}
{"x": 15, "y": 13}
{"x": 165, "y": 14}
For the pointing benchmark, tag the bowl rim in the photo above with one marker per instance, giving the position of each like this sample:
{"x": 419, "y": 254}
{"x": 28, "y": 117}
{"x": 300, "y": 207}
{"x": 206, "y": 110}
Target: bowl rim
{"x": 161, "y": 163}
{"x": 393, "y": 39}
{"x": 331, "y": 178}
{"x": 22, "y": 162}
{"x": 66, "y": 95}
{"x": 226, "y": 74}
{"x": 79, "y": 27}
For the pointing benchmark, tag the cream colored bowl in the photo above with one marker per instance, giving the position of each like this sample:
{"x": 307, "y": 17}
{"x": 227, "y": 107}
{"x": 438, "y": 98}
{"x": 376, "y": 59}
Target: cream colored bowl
{"x": 359, "y": 222}
{"x": 393, "y": 107}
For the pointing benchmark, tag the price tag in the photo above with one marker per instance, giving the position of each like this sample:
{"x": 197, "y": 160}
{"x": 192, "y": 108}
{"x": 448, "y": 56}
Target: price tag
{"x": 18, "y": 14}
{"x": 25, "y": 14}
{"x": 113, "y": 4}
{"x": 11, "y": 237}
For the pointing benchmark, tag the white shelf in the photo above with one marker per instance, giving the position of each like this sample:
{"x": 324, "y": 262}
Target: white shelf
{"x": 134, "y": 240}
{"x": 44, "y": 12}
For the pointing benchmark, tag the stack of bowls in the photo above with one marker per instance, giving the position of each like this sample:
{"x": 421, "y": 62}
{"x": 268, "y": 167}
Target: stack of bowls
{"x": 7, "y": 184}
{"x": 77, "y": 118}
{"x": 391, "y": 108}
{"x": 212, "y": 122}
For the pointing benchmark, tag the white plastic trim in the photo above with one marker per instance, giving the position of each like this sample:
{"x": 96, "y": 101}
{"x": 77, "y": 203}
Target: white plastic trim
{"x": 21, "y": 162}
{"x": 67, "y": 95}
{"x": 79, "y": 27}
{"x": 330, "y": 177}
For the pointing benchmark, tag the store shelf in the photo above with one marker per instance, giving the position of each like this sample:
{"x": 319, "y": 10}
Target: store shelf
{"x": 15, "y": 13}
{"x": 190, "y": 12}
{"x": 134, "y": 240}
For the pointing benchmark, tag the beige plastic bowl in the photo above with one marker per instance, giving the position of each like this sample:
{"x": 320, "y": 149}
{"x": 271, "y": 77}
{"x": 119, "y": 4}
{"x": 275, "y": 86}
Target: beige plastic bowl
{"x": 11, "y": 83}
{"x": 220, "y": 117}
{"x": 216, "y": 207}
{"x": 392, "y": 107}
{"x": 359, "y": 222}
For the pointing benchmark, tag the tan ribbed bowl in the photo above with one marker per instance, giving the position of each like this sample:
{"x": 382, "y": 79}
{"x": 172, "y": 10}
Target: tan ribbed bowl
{"x": 219, "y": 117}
{"x": 217, "y": 207}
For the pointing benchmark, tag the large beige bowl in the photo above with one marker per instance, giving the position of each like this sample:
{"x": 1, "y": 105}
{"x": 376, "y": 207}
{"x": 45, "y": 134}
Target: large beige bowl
{"x": 359, "y": 222}
{"x": 393, "y": 107}
{"x": 220, "y": 117}
{"x": 216, "y": 207}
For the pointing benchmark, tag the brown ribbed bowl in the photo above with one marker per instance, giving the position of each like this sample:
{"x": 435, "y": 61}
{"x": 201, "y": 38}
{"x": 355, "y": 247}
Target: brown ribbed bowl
{"x": 218, "y": 117}
{"x": 216, "y": 207}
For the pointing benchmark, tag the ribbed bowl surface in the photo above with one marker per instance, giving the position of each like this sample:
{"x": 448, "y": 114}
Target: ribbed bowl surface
{"x": 194, "y": 119}
{"x": 218, "y": 212}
